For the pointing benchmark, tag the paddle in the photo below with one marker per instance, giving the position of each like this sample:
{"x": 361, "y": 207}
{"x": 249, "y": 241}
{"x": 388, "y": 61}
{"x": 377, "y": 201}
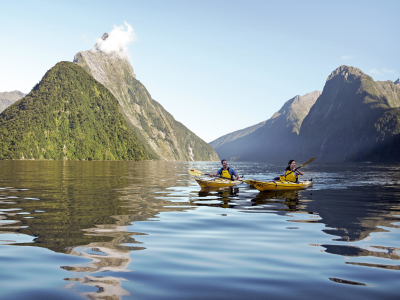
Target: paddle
{"x": 300, "y": 166}
{"x": 196, "y": 172}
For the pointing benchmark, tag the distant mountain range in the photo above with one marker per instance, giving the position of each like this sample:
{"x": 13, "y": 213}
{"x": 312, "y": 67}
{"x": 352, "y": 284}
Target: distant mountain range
{"x": 8, "y": 98}
{"x": 271, "y": 140}
{"x": 353, "y": 119}
{"x": 164, "y": 137}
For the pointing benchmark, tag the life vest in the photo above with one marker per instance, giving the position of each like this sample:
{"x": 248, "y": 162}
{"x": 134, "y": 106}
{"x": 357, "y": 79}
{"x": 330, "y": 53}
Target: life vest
{"x": 225, "y": 173}
{"x": 290, "y": 177}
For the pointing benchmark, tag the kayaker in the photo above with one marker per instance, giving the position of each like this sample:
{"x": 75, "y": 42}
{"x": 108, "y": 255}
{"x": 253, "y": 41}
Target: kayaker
{"x": 226, "y": 171}
{"x": 291, "y": 174}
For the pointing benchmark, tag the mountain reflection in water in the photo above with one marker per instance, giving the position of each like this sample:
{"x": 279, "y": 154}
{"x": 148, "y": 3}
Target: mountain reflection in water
{"x": 105, "y": 213}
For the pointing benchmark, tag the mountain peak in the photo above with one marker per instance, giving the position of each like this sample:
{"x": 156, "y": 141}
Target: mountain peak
{"x": 111, "y": 45}
{"x": 164, "y": 137}
{"x": 397, "y": 82}
{"x": 344, "y": 70}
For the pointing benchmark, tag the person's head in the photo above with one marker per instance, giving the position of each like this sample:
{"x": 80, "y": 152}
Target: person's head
{"x": 224, "y": 163}
{"x": 291, "y": 165}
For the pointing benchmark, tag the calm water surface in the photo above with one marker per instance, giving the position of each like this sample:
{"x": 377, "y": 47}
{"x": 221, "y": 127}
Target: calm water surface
{"x": 145, "y": 230}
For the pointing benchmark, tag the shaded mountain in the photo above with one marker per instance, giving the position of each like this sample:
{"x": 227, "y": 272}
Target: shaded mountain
{"x": 235, "y": 135}
{"x": 8, "y": 98}
{"x": 397, "y": 82}
{"x": 275, "y": 140}
{"x": 355, "y": 118}
{"x": 68, "y": 115}
{"x": 165, "y": 138}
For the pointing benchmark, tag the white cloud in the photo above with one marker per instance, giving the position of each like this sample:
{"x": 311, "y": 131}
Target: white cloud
{"x": 382, "y": 71}
{"x": 117, "y": 41}
{"x": 84, "y": 37}
{"x": 344, "y": 57}
{"x": 389, "y": 71}
{"x": 375, "y": 71}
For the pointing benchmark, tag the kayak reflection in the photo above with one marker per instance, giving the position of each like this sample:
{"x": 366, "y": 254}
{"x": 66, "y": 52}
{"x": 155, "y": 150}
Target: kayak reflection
{"x": 246, "y": 199}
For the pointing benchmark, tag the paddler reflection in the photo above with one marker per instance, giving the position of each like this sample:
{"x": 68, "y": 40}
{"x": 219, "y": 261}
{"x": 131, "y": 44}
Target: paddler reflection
{"x": 231, "y": 198}
{"x": 278, "y": 200}
{"x": 225, "y": 196}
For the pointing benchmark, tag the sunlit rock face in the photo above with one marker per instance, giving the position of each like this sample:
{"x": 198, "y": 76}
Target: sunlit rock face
{"x": 166, "y": 138}
{"x": 355, "y": 118}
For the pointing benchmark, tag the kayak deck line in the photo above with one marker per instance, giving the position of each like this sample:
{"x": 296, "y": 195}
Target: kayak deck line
{"x": 279, "y": 185}
{"x": 218, "y": 182}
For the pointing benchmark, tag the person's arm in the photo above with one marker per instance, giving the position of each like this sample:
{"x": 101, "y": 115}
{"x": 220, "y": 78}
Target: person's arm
{"x": 300, "y": 173}
{"x": 235, "y": 174}
{"x": 218, "y": 173}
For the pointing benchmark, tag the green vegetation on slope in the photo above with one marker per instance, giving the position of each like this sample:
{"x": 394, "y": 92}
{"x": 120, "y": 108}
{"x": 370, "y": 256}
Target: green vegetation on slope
{"x": 68, "y": 115}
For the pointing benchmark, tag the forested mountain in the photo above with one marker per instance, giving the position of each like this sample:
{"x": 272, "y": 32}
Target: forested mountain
{"x": 68, "y": 115}
{"x": 8, "y": 98}
{"x": 275, "y": 140}
{"x": 164, "y": 137}
{"x": 355, "y": 118}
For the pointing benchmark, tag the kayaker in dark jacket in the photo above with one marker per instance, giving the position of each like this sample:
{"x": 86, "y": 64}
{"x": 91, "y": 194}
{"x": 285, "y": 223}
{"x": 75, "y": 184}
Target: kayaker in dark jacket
{"x": 226, "y": 171}
{"x": 291, "y": 174}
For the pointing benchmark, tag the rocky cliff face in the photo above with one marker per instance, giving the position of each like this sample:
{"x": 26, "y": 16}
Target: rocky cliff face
{"x": 355, "y": 118}
{"x": 166, "y": 138}
{"x": 275, "y": 140}
{"x": 8, "y": 98}
{"x": 397, "y": 82}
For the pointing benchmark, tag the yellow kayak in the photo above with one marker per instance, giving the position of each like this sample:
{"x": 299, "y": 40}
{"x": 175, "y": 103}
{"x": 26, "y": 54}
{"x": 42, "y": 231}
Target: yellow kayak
{"x": 279, "y": 185}
{"x": 218, "y": 182}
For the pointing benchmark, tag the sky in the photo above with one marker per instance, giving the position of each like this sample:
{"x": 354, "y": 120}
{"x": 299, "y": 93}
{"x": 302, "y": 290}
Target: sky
{"x": 216, "y": 66}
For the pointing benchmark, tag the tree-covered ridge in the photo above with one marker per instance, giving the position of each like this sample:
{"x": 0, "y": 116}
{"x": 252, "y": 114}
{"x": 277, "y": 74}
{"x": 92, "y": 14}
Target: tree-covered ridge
{"x": 68, "y": 115}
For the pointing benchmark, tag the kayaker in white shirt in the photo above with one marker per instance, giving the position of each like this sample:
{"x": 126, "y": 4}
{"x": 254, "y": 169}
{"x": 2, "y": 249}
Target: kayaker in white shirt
{"x": 291, "y": 174}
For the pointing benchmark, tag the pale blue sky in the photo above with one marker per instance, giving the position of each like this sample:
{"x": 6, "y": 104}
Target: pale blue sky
{"x": 216, "y": 66}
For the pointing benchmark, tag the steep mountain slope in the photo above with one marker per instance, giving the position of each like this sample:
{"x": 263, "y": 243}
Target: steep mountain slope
{"x": 355, "y": 118}
{"x": 276, "y": 140}
{"x": 166, "y": 138}
{"x": 8, "y": 98}
{"x": 397, "y": 82}
{"x": 68, "y": 115}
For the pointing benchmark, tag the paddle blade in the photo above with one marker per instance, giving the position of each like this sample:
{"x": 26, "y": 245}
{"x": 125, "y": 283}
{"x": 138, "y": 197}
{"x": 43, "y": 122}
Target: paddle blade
{"x": 195, "y": 172}
{"x": 306, "y": 163}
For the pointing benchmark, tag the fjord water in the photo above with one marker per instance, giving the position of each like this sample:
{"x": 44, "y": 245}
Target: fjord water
{"x": 145, "y": 230}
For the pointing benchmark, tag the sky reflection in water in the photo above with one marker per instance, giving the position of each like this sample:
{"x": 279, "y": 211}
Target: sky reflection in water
{"x": 145, "y": 229}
